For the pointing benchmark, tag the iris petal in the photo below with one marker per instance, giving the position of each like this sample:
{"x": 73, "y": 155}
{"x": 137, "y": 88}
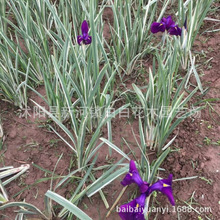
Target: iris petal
{"x": 127, "y": 180}
{"x": 141, "y": 200}
{"x": 164, "y": 186}
{"x": 168, "y": 192}
{"x": 144, "y": 187}
{"x": 175, "y": 31}
{"x": 124, "y": 210}
{"x": 133, "y": 176}
{"x": 85, "y": 27}
{"x": 134, "y": 209}
{"x": 137, "y": 178}
{"x": 88, "y": 40}
{"x": 132, "y": 166}
{"x": 168, "y": 22}
{"x": 157, "y": 27}
{"x": 185, "y": 23}
{"x": 79, "y": 39}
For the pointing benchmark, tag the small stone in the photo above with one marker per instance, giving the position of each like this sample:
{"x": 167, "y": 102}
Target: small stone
{"x": 202, "y": 165}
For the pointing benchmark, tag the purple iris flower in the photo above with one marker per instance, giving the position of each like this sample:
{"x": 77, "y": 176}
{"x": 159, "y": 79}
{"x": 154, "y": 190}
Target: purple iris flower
{"x": 166, "y": 24}
{"x": 84, "y": 38}
{"x": 133, "y": 176}
{"x": 134, "y": 209}
{"x": 164, "y": 186}
{"x": 127, "y": 211}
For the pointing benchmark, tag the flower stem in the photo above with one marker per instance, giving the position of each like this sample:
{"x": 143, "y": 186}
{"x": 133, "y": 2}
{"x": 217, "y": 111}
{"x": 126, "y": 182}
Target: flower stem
{"x": 116, "y": 201}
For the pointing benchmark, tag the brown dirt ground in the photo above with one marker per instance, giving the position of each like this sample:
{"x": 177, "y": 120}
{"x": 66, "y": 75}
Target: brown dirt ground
{"x": 27, "y": 142}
